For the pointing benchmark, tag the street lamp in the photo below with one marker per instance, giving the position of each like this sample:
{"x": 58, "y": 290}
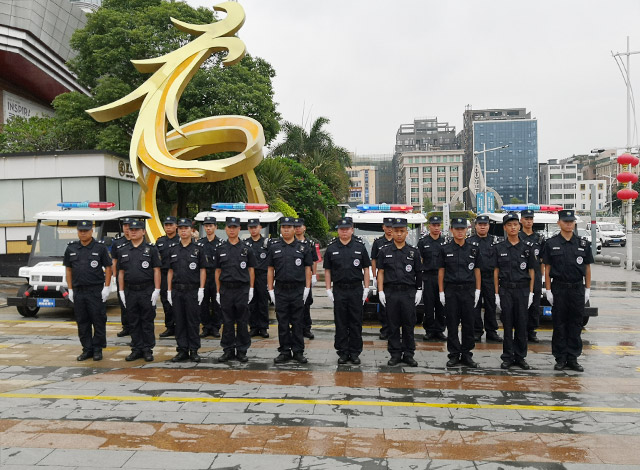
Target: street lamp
{"x": 484, "y": 152}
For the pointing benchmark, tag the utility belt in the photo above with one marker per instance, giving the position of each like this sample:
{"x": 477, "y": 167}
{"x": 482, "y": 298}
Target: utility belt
{"x": 185, "y": 286}
{"x": 514, "y": 285}
{"x": 88, "y": 287}
{"x": 289, "y": 285}
{"x": 399, "y": 287}
{"x": 233, "y": 285}
{"x": 138, "y": 286}
{"x": 486, "y": 274}
{"x": 346, "y": 285}
{"x": 458, "y": 285}
{"x": 567, "y": 285}
{"x": 431, "y": 272}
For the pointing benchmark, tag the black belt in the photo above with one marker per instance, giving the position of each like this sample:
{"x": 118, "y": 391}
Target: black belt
{"x": 233, "y": 285}
{"x": 185, "y": 286}
{"x": 514, "y": 285}
{"x": 395, "y": 287}
{"x": 567, "y": 285}
{"x": 459, "y": 285}
{"x": 141, "y": 286}
{"x": 485, "y": 274}
{"x": 289, "y": 285}
{"x": 346, "y": 285}
{"x": 91, "y": 286}
{"x": 431, "y": 272}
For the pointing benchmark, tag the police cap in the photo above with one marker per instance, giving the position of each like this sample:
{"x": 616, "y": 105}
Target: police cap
{"x": 526, "y": 213}
{"x": 387, "y": 221}
{"x": 482, "y": 219}
{"x": 233, "y": 222}
{"x": 459, "y": 222}
{"x": 567, "y": 215}
{"x": 85, "y": 225}
{"x": 509, "y": 216}
{"x": 435, "y": 219}
{"x": 286, "y": 221}
{"x": 345, "y": 222}
{"x": 253, "y": 223}
{"x": 399, "y": 222}
{"x": 170, "y": 220}
{"x": 298, "y": 222}
{"x": 183, "y": 222}
{"x": 209, "y": 220}
{"x": 136, "y": 224}
{"x": 126, "y": 220}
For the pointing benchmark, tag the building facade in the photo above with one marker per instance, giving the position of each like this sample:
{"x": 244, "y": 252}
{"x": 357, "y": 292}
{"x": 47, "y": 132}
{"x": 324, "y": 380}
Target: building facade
{"x": 362, "y": 188}
{"x": 583, "y": 195}
{"x": 558, "y": 184}
{"x": 381, "y": 165}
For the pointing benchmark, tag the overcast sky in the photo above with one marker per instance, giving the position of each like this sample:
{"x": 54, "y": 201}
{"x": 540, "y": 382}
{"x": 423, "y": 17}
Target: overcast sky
{"x": 370, "y": 66}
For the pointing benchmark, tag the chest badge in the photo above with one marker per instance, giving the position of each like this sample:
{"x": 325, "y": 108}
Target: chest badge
{"x": 263, "y": 255}
{"x": 471, "y": 265}
{"x": 298, "y": 262}
{"x": 523, "y": 265}
{"x": 243, "y": 265}
{"x": 356, "y": 262}
{"x": 192, "y": 266}
{"x": 145, "y": 264}
{"x": 94, "y": 264}
{"x": 579, "y": 260}
{"x": 536, "y": 252}
{"x": 408, "y": 268}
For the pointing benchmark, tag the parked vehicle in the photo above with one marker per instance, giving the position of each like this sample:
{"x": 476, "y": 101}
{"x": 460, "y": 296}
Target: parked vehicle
{"x": 609, "y": 234}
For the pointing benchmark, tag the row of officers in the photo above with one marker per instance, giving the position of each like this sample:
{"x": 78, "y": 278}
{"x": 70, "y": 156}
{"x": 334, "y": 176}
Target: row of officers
{"x": 459, "y": 278}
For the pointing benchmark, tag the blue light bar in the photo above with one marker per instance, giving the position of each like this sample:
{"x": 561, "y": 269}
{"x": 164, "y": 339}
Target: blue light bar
{"x": 86, "y": 205}
{"x": 238, "y": 206}
{"x": 385, "y": 207}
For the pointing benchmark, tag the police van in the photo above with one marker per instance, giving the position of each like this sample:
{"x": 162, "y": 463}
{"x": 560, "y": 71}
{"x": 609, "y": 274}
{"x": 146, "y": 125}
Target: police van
{"x": 45, "y": 276}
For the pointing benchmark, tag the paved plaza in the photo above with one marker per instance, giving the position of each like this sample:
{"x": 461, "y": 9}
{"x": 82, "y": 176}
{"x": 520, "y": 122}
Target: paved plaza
{"x": 57, "y": 413}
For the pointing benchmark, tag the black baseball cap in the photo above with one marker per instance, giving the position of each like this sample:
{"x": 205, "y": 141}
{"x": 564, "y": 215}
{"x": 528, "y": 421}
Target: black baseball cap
{"x": 435, "y": 219}
{"x": 482, "y": 219}
{"x": 567, "y": 215}
{"x": 346, "y": 222}
{"x": 388, "y": 221}
{"x": 209, "y": 220}
{"x": 85, "y": 225}
{"x": 459, "y": 222}
{"x": 233, "y": 222}
{"x": 184, "y": 222}
{"x": 298, "y": 222}
{"x": 526, "y": 213}
{"x": 126, "y": 221}
{"x": 170, "y": 220}
{"x": 253, "y": 223}
{"x": 136, "y": 224}
{"x": 287, "y": 221}
{"x": 399, "y": 222}
{"x": 510, "y": 216}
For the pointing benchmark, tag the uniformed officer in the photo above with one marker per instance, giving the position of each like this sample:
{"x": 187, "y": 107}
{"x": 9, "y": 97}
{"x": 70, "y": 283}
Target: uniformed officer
{"x": 116, "y": 245}
{"x": 163, "y": 243}
{"x": 346, "y": 264}
{"x": 567, "y": 260}
{"x": 434, "y": 321}
{"x": 514, "y": 280}
{"x": 139, "y": 282}
{"x": 486, "y": 243}
{"x": 210, "y": 313}
{"x": 89, "y": 287}
{"x": 400, "y": 291}
{"x": 289, "y": 262}
{"x": 259, "y": 306}
{"x": 300, "y": 229}
{"x": 235, "y": 278}
{"x": 378, "y": 243}
{"x": 185, "y": 290}
{"x": 537, "y": 239}
{"x": 458, "y": 277}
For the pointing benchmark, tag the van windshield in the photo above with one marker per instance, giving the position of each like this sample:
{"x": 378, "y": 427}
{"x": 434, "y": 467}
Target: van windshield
{"x": 53, "y": 239}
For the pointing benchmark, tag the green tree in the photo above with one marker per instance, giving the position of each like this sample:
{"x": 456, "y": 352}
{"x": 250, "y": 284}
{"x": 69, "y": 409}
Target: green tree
{"x": 427, "y": 205}
{"x": 515, "y": 200}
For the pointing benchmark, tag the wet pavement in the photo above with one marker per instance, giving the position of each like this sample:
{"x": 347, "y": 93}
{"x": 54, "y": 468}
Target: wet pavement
{"x": 57, "y": 413}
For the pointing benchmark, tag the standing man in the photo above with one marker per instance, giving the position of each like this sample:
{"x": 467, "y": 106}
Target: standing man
{"x": 139, "y": 283}
{"x": 486, "y": 244}
{"x": 385, "y": 239}
{"x": 300, "y": 229}
{"x": 567, "y": 260}
{"x": 289, "y": 262}
{"x": 185, "y": 290}
{"x": 458, "y": 277}
{"x": 537, "y": 239}
{"x": 88, "y": 287}
{"x": 259, "y": 306}
{"x": 235, "y": 278}
{"x": 163, "y": 243}
{"x": 210, "y": 315}
{"x": 116, "y": 246}
{"x": 513, "y": 280}
{"x": 346, "y": 263}
{"x": 434, "y": 321}
{"x": 400, "y": 291}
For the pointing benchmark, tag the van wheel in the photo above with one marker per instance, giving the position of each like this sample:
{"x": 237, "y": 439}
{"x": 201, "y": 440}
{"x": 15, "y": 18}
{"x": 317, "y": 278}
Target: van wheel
{"x": 26, "y": 311}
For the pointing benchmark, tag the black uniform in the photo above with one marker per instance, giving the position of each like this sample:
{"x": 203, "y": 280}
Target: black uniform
{"x": 382, "y": 310}
{"x": 234, "y": 262}
{"x": 513, "y": 263}
{"x": 117, "y": 244}
{"x": 289, "y": 261}
{"x": 186, "y": 262}
{"x": 311, "y": 246}
{"x": 163, "y": 243}
{"x": 346, "y": 263}
{"x": 259, "y": 306}
{"x": 87, "y": 263}
{"x": 459, "y": 263}
{"x": 402, "y": 277}
{"x": 210, "y": 311}
{"x": 487, "y": 288}
{"x": 138, "y": 264}
{"x": 537, "y": 239}
{"x": 434, "y": 321}
{"x": 568, "y": 260}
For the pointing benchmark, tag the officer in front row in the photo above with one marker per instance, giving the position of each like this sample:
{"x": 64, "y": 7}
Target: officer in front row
{"x": 89, "y": 287}
{"x": 400, "y": 291}
{"x": 259, "y": 306}
{"x": 289, "y": 262}
{"x": 346, "y": 263}
{"x": 186, "y": 278}
{"x": 300, "y": 229}
{"x": 567, "y": 277}
{"x": 139, "y": 283}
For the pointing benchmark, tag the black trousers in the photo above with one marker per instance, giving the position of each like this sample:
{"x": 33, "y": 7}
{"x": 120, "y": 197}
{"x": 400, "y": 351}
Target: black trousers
{"x": 186, "y": 312}
{"x": 347, "y": 314}
{"x": 141, "y": 316}
{"x": 401, "y": 314}
{"x": 514, "y": 320}
{"x": 290, "y": 315}
{"x": 434, "y": 320}
{"x": 259, "y": 306}
{"x": 567, "y": 312}
{"x": 382, "y": 316}
{"x": 123, "y": 310}
{"x": 307, "y": 312}
{"x": 91, "y": 316}
{"x": 235, "y": 318}
{"x": 533, "y": 320}
{"x": 459, "y": 310}
{"x": 169, "y": 322}
{"x": 488, "y": 302}
{"x": 210, "y": 311}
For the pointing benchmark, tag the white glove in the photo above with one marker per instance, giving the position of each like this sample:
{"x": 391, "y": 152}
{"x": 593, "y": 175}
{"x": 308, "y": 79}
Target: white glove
{"x": 218, "y": 298}
{"x": 550, "y": 297}
{"x": 365, "y": 294}
{"x": 530, "y": 299}
{"x": 124, "y": 302}
{"x": 106, "y": 290}
{"x": 169, "y": 298}
{"x": 272, "y": 296}
{"x": 250, "y": 294}
{"x": 476, "y": 298}
{"x": 200, "y": 295}
{"x": 418, "y": 297}
{"x": 155, "y": 296}
{"x": 330, "y": 295}
{"x": 383, "y": 298}
{"x": 314, "y": 280}
{"x": 70, "y": 291}
{"x": 442, "y": 298}
{"x": 498, "y": 306}
{"x": 587, "y": 293}
{"x": 306, "y": 294}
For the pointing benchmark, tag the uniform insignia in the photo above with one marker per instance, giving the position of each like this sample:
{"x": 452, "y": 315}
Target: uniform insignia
{"x": 243, "y": 265}
{"x": 298, "y": 262}
{"x": 471, "y": 265}
{"x": 94, "y": 264}
{"x": 579, "y": 260}
{"x": 408, "y": 268}
{"x": 192, "y": 266}
{"x": 356, "y": 262}
{"x": 145, "y": 264}
{"x": 523, "y": 265}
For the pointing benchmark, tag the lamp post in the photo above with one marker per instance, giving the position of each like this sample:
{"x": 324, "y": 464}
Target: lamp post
{"x": 484, "y": 152}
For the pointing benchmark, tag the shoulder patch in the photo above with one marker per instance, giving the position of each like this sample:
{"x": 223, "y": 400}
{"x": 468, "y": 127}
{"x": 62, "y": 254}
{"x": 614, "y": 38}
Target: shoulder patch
{"x": 72, "y": 242}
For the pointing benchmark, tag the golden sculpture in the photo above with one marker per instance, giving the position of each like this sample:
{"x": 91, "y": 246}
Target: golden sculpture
{"x": 172, "y": 155}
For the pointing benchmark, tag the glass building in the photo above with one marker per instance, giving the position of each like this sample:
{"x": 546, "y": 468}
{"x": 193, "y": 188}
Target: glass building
{"x": 514, "y": 163}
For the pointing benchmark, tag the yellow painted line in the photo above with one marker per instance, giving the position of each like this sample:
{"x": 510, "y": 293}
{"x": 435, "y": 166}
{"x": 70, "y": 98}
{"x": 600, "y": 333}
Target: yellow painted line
{"x": 293, "y": 401}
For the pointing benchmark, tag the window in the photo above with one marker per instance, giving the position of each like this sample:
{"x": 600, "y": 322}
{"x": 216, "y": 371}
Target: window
{"x": 454, "y": 178}
{"x": 426, "y": 169}
{"x": 415, "y": 180}
{"x": 426, "y": 180}
{"x": 570, "y": 186}
{"x": 570, "y": 196}
{"x": 414, "y": 169}
{"x": 569, "y": 176}
{"x": 454, "y": 188}
{"x": 600, "y": 186}
{"x": 442, "y": 199}
{"x": 555, "y": 196}
{"x": 582, "y": 187}
{"x": 454, "y": 168}
{"x": 415, "y": 200}
{"x": 442, "y": 179}
{"x": 556, "y": 186}
{"x": 415, "y": 190}
{"x": 555, "y": 176}
{"x": 442, "y": 169}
